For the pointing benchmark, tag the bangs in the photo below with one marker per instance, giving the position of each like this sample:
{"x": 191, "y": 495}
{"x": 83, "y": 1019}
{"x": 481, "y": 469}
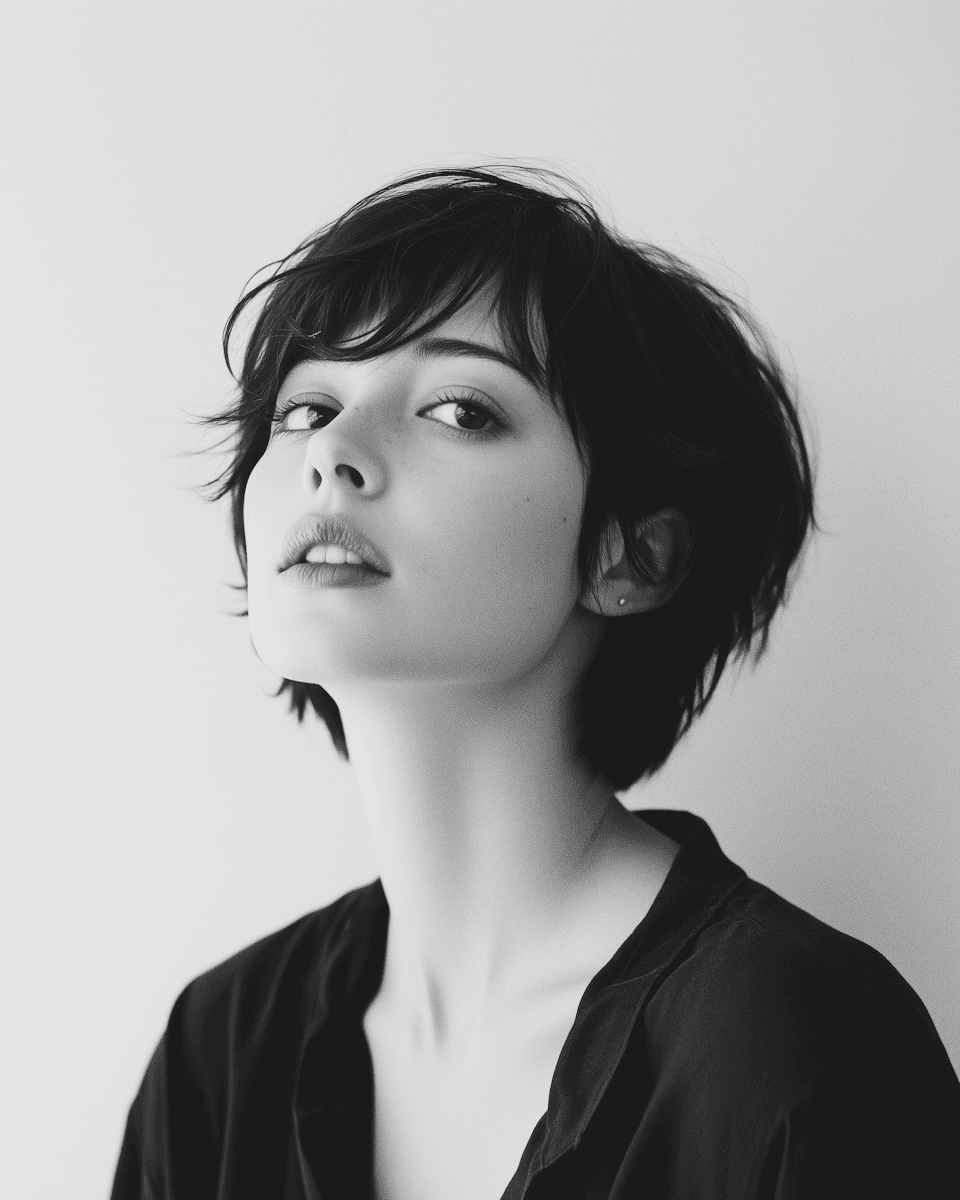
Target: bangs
{"x": 362, "y": 315}
{"x": 403, "y": 261}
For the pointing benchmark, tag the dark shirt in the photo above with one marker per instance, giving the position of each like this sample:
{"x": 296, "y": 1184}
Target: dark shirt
{"x": 733, "y": 1047}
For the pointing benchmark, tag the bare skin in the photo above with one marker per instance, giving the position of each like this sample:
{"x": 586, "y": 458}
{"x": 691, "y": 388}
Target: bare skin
{"x": 511, "y": 870}
{"x": 453, "y": 1113}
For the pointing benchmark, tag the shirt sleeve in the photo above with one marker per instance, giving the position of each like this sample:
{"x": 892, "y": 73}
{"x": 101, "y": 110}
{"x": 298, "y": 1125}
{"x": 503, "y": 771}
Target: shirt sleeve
{"x": 140, "y": 1173}
{"x": 882, "y": 1119}
{"x": 169, "y": 1149}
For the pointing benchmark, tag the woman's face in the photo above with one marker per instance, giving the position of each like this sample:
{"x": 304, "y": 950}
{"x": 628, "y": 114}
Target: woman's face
{"x": 464, "y": 480}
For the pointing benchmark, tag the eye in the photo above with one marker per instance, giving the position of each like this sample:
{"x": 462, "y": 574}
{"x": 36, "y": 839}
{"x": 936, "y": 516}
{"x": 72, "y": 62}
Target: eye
{"x": 466, "y": 415}
{"x": 305, "y": 412}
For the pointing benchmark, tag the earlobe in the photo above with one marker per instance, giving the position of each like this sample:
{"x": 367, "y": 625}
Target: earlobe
{"x": 617, "y": 589}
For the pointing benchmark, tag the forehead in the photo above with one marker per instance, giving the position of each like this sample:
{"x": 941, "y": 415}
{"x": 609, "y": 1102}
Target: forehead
{"x": 476, "y": 321}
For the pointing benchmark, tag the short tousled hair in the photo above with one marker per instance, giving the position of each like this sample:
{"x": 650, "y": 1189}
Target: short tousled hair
{"x": 671, "y": 390}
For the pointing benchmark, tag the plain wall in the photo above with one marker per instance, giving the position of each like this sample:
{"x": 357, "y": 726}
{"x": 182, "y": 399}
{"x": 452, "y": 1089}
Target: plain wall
{"x": 161, "y": 810}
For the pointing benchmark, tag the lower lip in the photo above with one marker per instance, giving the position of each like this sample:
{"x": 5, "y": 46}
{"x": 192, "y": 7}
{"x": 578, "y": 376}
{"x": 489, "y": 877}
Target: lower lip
{"x": 330, "y": 575}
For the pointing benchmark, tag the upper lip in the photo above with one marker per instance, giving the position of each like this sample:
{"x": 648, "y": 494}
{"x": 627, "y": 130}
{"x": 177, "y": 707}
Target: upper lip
{"x": 316, "y": 530}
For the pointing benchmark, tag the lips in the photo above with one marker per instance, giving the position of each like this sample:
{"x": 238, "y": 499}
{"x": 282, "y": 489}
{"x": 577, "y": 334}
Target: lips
{"x": 315, "y": 530}
{"x": 309, "y": 576}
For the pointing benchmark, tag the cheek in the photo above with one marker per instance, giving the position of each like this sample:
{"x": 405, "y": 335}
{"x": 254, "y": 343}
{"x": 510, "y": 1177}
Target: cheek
{"x": 275, "y": 612}
{"x": 265, "y": 517}
{"x": 508, "y": 543}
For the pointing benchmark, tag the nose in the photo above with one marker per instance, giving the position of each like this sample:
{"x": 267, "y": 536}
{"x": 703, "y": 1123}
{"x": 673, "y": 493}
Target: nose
{"x": 337, "y": 458}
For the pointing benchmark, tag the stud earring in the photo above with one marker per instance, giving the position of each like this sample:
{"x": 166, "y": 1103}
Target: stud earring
{"x": 622, "y": 601}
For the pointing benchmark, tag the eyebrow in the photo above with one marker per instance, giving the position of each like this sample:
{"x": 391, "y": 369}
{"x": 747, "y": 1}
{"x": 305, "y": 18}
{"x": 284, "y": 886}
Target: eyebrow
{"x": 444, "y": 347}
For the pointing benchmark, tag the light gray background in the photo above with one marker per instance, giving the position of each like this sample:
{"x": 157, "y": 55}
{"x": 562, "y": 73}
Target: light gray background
{"x": 161, "y": 811}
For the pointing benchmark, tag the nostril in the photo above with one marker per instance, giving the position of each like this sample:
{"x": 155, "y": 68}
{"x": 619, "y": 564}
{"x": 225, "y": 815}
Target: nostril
{"x": 351, "y": 473}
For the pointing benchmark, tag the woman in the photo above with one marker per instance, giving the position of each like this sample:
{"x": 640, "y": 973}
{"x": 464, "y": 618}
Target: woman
{"x": 508, "y": 492}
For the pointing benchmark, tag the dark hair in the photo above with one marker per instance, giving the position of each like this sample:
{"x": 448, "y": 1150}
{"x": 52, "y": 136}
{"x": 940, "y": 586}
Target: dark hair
{"x": 672, "y": 393}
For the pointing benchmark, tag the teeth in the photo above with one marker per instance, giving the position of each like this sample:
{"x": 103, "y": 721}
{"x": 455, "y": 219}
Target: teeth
{"x": 333, "y": 555}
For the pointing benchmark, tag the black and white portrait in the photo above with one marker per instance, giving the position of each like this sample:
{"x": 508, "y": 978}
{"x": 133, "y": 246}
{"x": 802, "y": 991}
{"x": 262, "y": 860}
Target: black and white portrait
{"x": 482, "y": 497}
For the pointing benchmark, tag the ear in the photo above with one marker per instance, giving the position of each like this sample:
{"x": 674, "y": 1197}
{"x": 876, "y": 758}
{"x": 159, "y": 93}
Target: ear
{"x": 616, "y": 590}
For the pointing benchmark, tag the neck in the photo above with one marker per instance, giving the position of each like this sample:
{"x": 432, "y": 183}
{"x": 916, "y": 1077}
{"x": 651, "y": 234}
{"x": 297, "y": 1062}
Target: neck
{"x": 485, "y": 824}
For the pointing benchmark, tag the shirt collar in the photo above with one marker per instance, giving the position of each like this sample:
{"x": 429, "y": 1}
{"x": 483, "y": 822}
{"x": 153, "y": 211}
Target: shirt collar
{"x": 350, "y": 969}
{"x": 699, "y": 881}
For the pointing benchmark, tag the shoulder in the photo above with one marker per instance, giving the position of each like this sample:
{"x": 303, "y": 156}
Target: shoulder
{"x": 770, "y": 999}
{"x": 788, "y": 1056}
{"x": 762, "y": 946}
{"x": 268, "y": 984}
{"x": 234, "y": 1037}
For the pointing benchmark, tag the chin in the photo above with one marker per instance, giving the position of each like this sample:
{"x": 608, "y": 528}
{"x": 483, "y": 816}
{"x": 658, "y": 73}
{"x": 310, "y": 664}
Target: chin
{"x": 326, "y": 657}
{"x": 304, "y": 644}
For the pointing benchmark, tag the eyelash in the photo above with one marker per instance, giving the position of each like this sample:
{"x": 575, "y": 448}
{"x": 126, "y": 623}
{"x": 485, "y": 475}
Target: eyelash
{"x": 282, "y": 411}
{"x": 470, "y": 402}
